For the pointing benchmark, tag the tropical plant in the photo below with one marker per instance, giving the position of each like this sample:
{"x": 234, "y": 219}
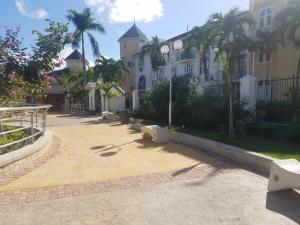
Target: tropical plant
{"x": 200, "y": 39}
{"x": 84, "y": 23}
{"x": 110, "y": 90}
{"x": 110, "y": 70}
{"x": 228, "y": 33}
{"x": 73, "y": 84}
{"x": 153, "y": 49}
{"x": 268, "y": 42}
{"x": 287, "y": 22}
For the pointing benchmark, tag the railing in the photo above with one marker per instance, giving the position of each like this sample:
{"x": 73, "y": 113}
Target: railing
{"x": 30, "y": 120}
{"x": 74, "y": 108}
{"x": 278, "y": 90}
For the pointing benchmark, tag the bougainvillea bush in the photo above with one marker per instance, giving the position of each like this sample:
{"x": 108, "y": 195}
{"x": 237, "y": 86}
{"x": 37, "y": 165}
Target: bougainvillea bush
{"x": 23, "y": 70}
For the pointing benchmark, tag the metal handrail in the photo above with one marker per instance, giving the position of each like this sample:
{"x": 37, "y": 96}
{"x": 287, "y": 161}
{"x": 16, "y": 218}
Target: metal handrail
{"x": 31, "y": 118}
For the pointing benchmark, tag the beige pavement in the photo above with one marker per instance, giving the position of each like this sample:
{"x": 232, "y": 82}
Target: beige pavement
{"x": 91, "y": 150}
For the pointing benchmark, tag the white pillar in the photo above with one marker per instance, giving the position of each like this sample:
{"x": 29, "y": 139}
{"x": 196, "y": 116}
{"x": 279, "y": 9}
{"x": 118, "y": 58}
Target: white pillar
{"x": 135, "y": 100}
{"x": 92, "y": 106}
{"x": 247, "y": 90}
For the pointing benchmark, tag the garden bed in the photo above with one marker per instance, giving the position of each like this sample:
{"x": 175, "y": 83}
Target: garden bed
{"x": 273, "y": 148}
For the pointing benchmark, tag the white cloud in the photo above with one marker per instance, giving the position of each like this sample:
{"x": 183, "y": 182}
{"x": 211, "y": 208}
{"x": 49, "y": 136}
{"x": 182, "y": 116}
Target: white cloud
{"x": 35, "y": 14}
{"x": 128, "y": 10}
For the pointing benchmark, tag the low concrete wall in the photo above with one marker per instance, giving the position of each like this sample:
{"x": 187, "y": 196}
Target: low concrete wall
{"x": 246, "y": 158}
{"x": 26, "y": 151}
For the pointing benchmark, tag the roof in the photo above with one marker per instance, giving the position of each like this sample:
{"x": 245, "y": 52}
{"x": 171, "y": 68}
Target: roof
{"x": 133, "y": 32}
{"x": 75, "y": 55}
{"x": 180, "y": 36}
{"x": 55, "y": 89}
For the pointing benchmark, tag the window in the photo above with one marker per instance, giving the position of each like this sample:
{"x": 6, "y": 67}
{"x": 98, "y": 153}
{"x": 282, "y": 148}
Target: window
{"x": 266, "y": 18}
{"x": 142, "y": 83}
{"x": 188, "y": 69}
{"x": 268, "y": 57}
{"x": 264, "y": 58}
{"x": 261, "y": 57}
{"x": 141, "y": 63}
{"x": 125, "y": 46}
{"x": 243, "y": 65}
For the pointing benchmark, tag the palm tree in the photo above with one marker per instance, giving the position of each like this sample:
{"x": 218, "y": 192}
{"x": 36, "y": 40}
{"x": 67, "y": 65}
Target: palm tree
{"x": 84, "y": 22}
{"x": 110, "y": 90}
{"x": 228, "y": 34}
{"x": 153, "y": 49}
{"x": 267, "y": 43}
{"x": 200, "y": 39}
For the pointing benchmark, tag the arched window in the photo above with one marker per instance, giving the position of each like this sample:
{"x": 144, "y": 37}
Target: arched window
{"x": 142, "y": 83}
{"x": 266, "y": 18}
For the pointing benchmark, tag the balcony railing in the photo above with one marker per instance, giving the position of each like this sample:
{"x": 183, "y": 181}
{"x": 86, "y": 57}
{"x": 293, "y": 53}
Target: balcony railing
{"x": 30, "y": 120}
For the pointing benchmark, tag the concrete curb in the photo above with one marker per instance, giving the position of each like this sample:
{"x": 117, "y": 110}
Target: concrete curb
{"x": 256, "y": 161}
{"x": 26, "y": 151}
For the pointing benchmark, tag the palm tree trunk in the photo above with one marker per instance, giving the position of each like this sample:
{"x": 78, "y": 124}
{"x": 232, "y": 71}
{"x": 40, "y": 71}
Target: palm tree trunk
{"x": 85, "y": 79}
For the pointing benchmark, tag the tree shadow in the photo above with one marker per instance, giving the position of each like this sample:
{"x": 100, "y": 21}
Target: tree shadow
{"x": 97, "y": 147}
{"x": 206, "y": 178}
{"x": 108, "y": 154}
{"x": 286, "y": 203}
{"x": 185, "y": 170}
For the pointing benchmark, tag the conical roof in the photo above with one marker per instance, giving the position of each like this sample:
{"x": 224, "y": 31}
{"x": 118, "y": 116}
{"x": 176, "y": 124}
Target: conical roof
{"x": 133, "y": 32}
{"x": 75, "y": 55}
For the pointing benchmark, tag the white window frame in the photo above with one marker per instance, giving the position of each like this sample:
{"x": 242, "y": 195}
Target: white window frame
{"x": 265, "y": 16}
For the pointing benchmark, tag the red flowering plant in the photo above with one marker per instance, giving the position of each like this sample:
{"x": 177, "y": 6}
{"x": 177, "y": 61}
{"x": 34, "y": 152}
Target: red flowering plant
{"x": 23, "y": 72}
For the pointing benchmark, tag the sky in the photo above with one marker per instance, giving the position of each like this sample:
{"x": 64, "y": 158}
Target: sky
{"x": 164, "y": 18}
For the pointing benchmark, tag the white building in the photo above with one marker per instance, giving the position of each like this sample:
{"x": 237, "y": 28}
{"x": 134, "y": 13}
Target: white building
{"x": 143, "y": 77}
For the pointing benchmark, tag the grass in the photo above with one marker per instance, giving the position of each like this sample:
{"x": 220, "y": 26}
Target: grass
{"x": 274, "y": 148}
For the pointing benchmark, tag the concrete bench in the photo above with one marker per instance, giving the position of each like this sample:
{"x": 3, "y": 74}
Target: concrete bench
{"x": 107, "y": 115}
{"x": 158, "y": 134}
{"x": 284, "y": 174}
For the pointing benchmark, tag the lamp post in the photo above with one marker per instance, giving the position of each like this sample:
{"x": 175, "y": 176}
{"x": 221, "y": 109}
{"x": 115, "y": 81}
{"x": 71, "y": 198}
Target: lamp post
{"x": 165, "y": 50}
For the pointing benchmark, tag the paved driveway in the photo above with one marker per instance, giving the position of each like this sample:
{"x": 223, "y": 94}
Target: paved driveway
{"x": 104, "y": 173}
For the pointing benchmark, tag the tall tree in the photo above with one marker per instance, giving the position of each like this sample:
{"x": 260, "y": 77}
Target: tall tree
{"x": 153, "y": 49}
{"x": 110, "y": 70}
{"x": 229, "y": 35}
{"x": 84, "y": 23}
{"x": 200, "y": 39}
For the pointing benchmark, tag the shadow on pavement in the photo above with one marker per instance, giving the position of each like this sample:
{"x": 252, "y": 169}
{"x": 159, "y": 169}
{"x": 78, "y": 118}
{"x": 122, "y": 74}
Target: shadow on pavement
{"x": 97, "y": 147}
{"x": 286, "y": 203}
{"x": 185, "y": 170}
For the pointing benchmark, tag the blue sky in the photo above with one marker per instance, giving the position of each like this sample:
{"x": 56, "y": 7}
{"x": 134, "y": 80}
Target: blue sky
{"x": 165, "y": 18}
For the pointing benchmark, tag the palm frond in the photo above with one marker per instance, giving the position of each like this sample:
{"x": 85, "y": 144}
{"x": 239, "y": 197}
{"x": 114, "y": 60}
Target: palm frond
{"x": 95, "y": 45}
{"x": 96, "y": 27}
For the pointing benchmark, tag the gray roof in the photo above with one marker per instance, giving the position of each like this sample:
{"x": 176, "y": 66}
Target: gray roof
{"x": 75, "y": 55}
{"x": 134, "y": 32}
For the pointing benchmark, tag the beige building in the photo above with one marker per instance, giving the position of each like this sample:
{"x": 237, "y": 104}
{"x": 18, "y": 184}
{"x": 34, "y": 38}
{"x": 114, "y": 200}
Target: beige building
{"x": 284, "y": 61}
{"x": 130, "y": 44}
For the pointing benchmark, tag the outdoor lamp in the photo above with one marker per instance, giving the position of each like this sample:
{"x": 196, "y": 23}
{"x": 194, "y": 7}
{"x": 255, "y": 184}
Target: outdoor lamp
{"x": 216, "y": 50}
{"x": 177, "y": 45}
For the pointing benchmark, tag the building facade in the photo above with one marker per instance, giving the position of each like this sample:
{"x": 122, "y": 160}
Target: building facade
{"x": 143, "y": 77}
{"x": 283, "y": 62}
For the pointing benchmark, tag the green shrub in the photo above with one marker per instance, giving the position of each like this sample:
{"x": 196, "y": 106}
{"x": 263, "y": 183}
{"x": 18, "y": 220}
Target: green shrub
{"x": 279, "y": 112}
{"x": 9, "y": 138}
